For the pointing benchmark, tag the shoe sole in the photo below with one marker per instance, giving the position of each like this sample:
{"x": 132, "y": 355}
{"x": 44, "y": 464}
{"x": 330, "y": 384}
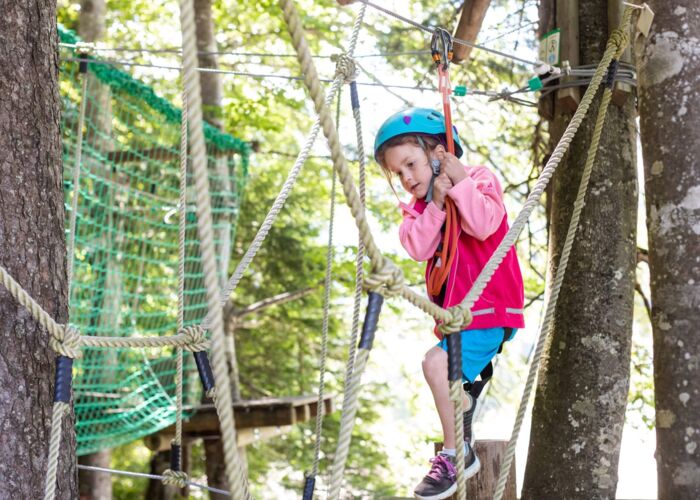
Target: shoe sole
{"x": 445, "y": 494}
{"x": 473, "y": 468}
{"x": 468, "y": 473}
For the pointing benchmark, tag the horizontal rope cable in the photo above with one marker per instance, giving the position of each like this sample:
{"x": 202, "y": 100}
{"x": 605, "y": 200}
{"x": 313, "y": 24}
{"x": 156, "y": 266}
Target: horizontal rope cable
{"x": 240, "y": 54}
{"x": 268, "y": 75}
{"x": 430, "y": 30}
{"x": 148, "y": 476}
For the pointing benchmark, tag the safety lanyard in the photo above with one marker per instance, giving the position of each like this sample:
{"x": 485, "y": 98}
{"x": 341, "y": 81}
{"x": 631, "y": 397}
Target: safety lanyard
{"x": 441, "y": 49}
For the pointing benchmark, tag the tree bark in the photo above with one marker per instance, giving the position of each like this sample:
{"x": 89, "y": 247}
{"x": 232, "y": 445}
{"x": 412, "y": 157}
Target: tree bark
{"x": 211, "y": 83}
{"x": 32, "y": 248}
{"x": 669, "y": 76}
{"x": 583, "y": 380}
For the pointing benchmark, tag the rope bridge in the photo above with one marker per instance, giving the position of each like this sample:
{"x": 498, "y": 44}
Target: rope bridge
{"x": 136, "y": 310}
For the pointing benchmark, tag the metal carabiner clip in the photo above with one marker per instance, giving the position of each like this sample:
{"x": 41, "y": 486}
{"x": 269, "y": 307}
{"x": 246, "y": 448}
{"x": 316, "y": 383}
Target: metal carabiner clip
{"x": 441, "y": 47}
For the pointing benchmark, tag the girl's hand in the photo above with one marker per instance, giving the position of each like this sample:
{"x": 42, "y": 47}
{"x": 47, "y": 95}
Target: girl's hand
{"x": 441, "y": 186}
{"x": 451, "y": 166}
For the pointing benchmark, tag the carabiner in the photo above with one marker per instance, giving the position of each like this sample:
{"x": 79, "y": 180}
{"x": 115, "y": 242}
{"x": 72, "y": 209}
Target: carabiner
{"x": 441, "y": 47}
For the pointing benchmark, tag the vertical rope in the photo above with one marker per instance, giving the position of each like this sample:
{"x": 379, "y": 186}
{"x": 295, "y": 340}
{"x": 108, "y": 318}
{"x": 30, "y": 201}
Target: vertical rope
{"x": 234, "y": 468}
{"x": 326, "y": 311}
{"x": 59, "y": 410}
{"x": 350, "y": 405}
{"x": 360, "y": 258}
{"x": 182, "y": 221}
{"x": 616, "y": 46}
{"x": 76, "y": 181}
{"x": 456, "y": 398}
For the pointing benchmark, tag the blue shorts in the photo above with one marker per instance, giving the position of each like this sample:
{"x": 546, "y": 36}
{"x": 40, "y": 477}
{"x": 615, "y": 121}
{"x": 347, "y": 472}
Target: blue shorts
{"x": 478, "y": 348}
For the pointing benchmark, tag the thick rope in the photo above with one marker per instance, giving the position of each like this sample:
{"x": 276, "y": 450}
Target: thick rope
{"x": 320, "y": 407}
{"x": 20, "y": 294}
{"x": 386, "y": 277}
{"x": 347, "y": 421}
{"x": 616, "y": 45}
{"x": 59, "y": 410}
{"x": 245, "y": 262}
{"x": 456, "y": 392}
{"x": 234, "y": 468}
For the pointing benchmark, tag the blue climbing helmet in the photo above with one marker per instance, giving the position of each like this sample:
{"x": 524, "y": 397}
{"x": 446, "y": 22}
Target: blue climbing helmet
{"x": 415, "y": 121}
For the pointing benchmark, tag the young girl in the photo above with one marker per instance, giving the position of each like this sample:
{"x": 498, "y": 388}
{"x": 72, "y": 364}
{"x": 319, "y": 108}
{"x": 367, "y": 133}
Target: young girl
{"x": 412, "y": 145}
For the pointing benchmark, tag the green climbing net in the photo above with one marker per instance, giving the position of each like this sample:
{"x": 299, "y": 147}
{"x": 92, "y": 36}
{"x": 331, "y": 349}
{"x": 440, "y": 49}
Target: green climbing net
{"x": 125, "y": 279}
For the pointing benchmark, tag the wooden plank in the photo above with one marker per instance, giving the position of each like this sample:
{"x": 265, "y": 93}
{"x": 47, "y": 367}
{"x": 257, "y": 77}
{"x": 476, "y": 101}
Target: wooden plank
{"x": 249, "y": 414}
{"x": 567, "y": 21}
{"x": 468, "y": 27}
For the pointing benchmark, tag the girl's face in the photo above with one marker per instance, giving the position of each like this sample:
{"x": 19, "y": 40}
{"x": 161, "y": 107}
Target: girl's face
{"x": 411, "y": 164}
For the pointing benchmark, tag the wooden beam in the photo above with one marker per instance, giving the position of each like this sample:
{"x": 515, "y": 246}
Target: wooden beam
{"x": 621, "y": 91}
{"x": 251, "y": 415}
{"x": 567, "y": 21}
{"x": 468, "y": 27}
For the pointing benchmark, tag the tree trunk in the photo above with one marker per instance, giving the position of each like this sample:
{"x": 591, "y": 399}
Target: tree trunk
{"x": 669, "y": 76}
{"x": 95, "y": 485}
{"x": 584, "y": 376}
{"x": 211, "y": 83}
{"x": 91, "y": 26}
{"x": 32, "y": 249}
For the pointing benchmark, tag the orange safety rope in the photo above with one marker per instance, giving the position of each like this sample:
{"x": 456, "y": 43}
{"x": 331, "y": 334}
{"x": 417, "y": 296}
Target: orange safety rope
{"x": 445, "y": 255}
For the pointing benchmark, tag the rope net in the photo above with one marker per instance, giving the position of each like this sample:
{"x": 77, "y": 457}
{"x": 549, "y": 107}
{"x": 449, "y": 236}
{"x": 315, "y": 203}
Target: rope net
{"x": 125, "y": 278}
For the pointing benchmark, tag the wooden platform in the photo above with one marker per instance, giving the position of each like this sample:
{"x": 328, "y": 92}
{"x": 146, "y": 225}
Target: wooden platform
{"x": 256, "y": 419}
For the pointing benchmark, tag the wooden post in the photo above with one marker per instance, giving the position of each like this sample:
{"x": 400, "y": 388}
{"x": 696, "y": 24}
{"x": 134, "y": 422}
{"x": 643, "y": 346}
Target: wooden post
{"x": 482, "y": 486}
{"x": 621, "y": 90}
{"x": 468, "y": 27}
{"x": 567, "y": 21}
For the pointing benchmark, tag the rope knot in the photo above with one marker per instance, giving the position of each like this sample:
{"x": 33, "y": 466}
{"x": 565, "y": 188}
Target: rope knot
{"x": 387, "y": 280}
{"x": 174, "y": 478}
{"x": 459, "y": 319}
{"x": 67, "y": 342}
{"x": 619, "y": 38}
{"x": 195, "y": 340}
{"x": 345, "y": 66}
{"x": 211, "y": 394}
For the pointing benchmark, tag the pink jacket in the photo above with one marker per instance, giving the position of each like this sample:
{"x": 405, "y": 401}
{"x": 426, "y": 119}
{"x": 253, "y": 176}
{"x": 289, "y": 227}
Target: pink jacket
{"x": 483, "y": 221}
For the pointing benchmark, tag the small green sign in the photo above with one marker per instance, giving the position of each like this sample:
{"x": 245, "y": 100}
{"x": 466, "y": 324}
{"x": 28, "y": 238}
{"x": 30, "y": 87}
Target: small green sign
{"x": 549, "y": 47}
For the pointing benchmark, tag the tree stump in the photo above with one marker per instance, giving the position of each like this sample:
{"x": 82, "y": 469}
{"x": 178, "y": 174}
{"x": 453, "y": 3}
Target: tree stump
{"x": 483, "y": 485}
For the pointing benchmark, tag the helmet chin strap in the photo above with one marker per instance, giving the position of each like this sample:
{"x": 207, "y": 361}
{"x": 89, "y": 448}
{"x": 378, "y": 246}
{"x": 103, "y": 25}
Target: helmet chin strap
{"x": 434, "y": 166}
